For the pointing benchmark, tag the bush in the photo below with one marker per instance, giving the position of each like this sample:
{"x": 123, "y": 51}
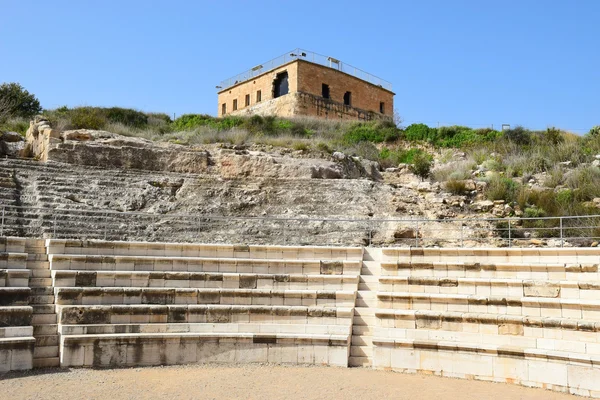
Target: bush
{"x": 553, "y": 136}
{"x": 16, "y": 102}
{"x": 421, "y": 165}
{"x": 87, "y": 118}
{"x": 595, "y": 131}
{"x": 126, "y": 116}
{"x": 501, "y": 188}
{"x": 371, "y": 132}
{"x": 518, "y": 135}
{"x": 456, "y": 187}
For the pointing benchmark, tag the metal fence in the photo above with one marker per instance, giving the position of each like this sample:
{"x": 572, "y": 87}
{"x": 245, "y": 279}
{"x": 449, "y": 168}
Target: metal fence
{"x": 300, "y": 54}
{"x": 112, "y": 225}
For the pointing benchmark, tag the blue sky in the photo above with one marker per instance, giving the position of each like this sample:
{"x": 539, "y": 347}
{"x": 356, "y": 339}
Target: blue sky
{"x": 477, "y": 63}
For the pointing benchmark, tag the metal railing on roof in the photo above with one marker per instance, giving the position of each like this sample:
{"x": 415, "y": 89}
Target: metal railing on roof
{"x": 419, "y": 232}
{"x": 300, "y": 54}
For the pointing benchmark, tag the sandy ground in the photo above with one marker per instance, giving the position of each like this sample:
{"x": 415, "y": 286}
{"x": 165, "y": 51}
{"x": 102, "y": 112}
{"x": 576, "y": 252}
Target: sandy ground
{"x": 252, "y": 382}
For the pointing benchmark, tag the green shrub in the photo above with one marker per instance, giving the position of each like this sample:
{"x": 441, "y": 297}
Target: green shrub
{"x": 126, "y": 116}
{"x": 553, "y": 136}
{"x": 374, "y": 132}
{"x": 421, "y": 165}
{"x": 534, "y": 212}
{"x": 585, "y": 183}
{"x": 301, "y": 146}
{"x": 456, "y": 187}
{"x": 518, "y": 135}
{"x": 324, "y": 147}
{"x": 415, "y": 132}
{"x": 595, "y": 131}
{"x": 501, "y": 188}
{"x": 19, "y": 125}
{"x": 87, "y": 118}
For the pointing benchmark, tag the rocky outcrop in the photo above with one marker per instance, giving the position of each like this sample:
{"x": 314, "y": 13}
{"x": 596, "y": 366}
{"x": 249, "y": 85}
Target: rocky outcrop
{"x": 12, "y": 145}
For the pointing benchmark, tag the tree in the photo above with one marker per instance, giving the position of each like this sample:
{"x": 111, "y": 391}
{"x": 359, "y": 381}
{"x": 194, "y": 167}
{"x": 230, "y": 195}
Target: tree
{"x": 15, "y": 101}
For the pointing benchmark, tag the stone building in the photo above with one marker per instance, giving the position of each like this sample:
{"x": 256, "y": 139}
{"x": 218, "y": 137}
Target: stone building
{"x": 302, "y": 83}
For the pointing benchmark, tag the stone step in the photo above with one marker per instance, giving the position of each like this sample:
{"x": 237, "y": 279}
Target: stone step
{"x": 43, "y": 299}
{"x": 361, "y": 351}
{"x": 37, "y": 257}
{"x": 40, "y": 282}
{"x": 361, "y": 321}
{"x": 362, "y": 341}
{"x": 362, "y": 330}
{"x": 366, "y": 295}
{"x": 366, "y": 302}
{"x": 41, "y": 273}
{"x": 44, "y": 330}
{"x": 45, "y": 352}
{"x": 47, "y": 340}
{"x": 48, "y": 362}
{"x": 43, "y": 319}
{"x": 38, "y": 265}
{"x": 357, "y": 361}
{"x": 43, "y": 308}
{"x": 364, "y": 312}
{"x": 368, "y": 286}
{"x": 369, "y": 279}
{"x": 42, "y": 291}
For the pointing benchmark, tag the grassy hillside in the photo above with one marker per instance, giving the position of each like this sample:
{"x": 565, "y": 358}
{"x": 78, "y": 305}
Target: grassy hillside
{"x": 541, "y": 173}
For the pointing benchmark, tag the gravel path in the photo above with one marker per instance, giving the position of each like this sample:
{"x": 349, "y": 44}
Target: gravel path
{"x": 252, "y": 382}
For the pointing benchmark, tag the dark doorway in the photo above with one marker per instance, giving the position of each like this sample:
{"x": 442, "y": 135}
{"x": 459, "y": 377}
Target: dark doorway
{"x": 382, "y": 107}
{"x": 280, "y": 85}
{"x": 348, "y": 98}
{"x": 325, "y": 91}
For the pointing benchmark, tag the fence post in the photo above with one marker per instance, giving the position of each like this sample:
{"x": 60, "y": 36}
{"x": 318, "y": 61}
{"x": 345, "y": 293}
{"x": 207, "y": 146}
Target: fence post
{"x": 561, "y": 231}
{"x": 370, "y": 227}
{"x": 2, "y": 228}
{"x": 461, "y": 235}
{"x": 105, "y": 227}
{"x": 509, "y": 234}
{"x": 417, "y": 234}
{"x": 54, "y": 227}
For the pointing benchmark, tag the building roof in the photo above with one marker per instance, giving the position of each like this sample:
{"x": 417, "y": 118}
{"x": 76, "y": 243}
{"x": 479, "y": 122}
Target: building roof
{"x": 300, "y": 54}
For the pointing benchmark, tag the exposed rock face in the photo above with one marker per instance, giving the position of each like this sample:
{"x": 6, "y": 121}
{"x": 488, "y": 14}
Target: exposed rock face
{"x": 12, "y": 145}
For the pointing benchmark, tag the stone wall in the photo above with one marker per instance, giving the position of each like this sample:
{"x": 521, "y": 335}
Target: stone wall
{"x": 305, "y": 95}
{"x": 264, "y": 83}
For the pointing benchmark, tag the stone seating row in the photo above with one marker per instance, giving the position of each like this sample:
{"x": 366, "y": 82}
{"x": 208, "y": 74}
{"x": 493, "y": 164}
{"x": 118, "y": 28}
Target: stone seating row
{"x": 190, "y": 264}
{"x": 182, "y": 327}
{"x": 127, "y": 314}
{"x": 164, "y": 296}
{"x": 14, "y": 278}
{"x": 182, "y": 348}
{"x": 525, "y": 306}
{"x": 556, "y": 370}
{"x": 493, "y": 255}
{"x": 12, "y": 244}
{"x": 16, "y": 330}
{"x": 579, "y": 335}
{"x": 74, "y": 278}
{"x": 94, "y": 247}
{"x": 492, "y": 287}
{"x": 541, "y": 271}
{"x": 13, "y": 260}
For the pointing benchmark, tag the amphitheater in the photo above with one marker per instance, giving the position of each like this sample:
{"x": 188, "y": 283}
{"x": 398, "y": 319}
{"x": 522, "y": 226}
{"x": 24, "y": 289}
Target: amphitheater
{"x": 79, "y": 288}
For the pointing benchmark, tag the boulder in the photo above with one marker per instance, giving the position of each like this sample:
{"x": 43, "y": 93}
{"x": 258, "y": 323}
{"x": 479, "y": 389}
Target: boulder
{"x": 482, "y": 205}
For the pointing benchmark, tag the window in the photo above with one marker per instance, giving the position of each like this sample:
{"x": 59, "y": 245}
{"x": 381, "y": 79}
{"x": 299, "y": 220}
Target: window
{"x": 382, "y": 107}
{"x": 325, "y": 91}
{"x": 258, "y": 96}
{"x": 280, "y": 85}
{"x": 223, "y": 109}
{"x": 234, "y": 105}
{"x": 348, "y": 98}
{"x": 247, "y": 100}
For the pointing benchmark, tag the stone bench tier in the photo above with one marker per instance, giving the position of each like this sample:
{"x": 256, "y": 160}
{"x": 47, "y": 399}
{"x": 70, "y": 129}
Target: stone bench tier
{"x": 93, "y": 247}
{"x": 184, "y": 348}
{"x": 16, "y": 331}
{"x": 556, "y": 370}
{"x": 189, "y": 264}
{"x": 131, "y": 314}
{"x": 13, "y": 260}
{"x": 162, "y": 296}
{"x": 566, "y": 334}
{"x": 12, "y": 244}
{"x": 494, "y": 255}
{"x": 16, "y": 353}
{"x": 524, "y": 306}
{"x": 576, "y": 272}
{"x": 14, "y": 277}
{"x": 492, "y": 287}
{"x": 15, "y": 315}
{"x": 202, "y": 280}
{"x": 205, "y": 328}
{"x": 14, "y": 296}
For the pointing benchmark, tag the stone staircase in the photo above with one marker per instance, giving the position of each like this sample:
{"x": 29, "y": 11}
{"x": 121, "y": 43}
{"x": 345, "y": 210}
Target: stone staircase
{"x": 361, "y": 350}
{"x": 42, "y": 301}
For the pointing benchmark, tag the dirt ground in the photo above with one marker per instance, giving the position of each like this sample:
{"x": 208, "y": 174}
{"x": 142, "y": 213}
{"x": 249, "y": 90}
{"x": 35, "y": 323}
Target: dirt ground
{"x": 252, "y": 382}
